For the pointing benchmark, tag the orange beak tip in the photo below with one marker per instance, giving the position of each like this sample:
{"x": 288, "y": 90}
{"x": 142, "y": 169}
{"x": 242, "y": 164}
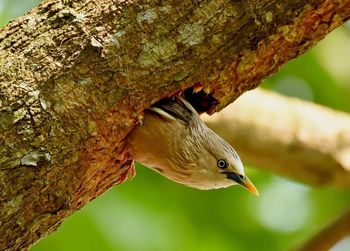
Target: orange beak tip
{"x": 251, "y": 188}
{"x": 254, "y": 191}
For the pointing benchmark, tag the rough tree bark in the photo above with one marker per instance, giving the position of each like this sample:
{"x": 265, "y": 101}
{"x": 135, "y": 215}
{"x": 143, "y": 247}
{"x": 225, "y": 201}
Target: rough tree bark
{"x": 75, "y": 77}
{"x": 287, "y": 136}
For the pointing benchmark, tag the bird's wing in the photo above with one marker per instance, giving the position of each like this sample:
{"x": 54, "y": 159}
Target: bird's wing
{"x": 176, "y": 108}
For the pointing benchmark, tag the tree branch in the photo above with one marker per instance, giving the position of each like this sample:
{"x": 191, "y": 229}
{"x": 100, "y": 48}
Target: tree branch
{"x": 294, "y": 138}
{"x": 330, "y": 235}
{"x": 75, "y": 77}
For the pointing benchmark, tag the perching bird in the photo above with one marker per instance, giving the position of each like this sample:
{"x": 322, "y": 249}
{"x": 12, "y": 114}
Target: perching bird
{"x": 175, "y": 142}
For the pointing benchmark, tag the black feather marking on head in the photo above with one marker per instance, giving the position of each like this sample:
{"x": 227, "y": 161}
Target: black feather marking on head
{"x": 173, "y": 113}
{"x": 176, "y": 108}
{"x": 185, "y": 105}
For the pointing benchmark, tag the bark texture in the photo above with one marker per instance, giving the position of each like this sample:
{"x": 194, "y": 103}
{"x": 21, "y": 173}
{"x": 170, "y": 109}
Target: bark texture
{"x": 75, "y": 77}
{"x": 287, "y": 136}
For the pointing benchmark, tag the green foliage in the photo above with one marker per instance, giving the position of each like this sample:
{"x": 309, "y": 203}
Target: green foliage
{"x": 9, "y": 9}
{"x": 152, "y": 213}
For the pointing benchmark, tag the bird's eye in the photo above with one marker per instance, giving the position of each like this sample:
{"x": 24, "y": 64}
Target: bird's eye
{"x": 222, "y": 164}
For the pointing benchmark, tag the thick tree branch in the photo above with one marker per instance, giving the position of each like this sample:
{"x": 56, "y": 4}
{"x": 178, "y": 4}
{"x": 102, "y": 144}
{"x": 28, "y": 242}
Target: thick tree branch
{"x": 294, "y": 138}
{"x": 75, "y": 77}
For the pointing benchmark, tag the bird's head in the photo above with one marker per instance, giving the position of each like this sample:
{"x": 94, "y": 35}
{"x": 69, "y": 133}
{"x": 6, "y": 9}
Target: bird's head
{"x": 220, "y": 166}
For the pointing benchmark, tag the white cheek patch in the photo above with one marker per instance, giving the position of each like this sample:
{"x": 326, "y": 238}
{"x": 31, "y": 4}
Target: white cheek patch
{"x": 239, "y": 166}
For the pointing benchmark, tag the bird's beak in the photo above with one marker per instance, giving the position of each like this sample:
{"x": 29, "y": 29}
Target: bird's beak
{"x": 243, "y": 181}
{"x": 250, "y": 186}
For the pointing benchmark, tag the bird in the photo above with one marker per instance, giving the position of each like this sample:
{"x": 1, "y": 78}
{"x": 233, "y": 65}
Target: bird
{"x": 174, "y": 141}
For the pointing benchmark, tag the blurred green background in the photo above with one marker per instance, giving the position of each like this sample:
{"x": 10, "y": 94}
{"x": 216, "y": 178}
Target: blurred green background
{"x": 152, "y": 213}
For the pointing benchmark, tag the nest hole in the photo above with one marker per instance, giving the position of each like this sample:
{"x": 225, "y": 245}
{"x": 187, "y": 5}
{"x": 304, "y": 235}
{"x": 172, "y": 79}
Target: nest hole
{"x": 200, "y": 100}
